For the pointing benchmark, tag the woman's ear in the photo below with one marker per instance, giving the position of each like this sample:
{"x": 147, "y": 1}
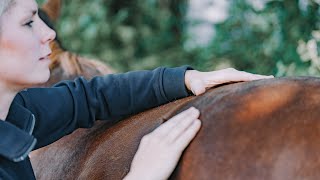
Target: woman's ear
{"x": 52, "y": 8}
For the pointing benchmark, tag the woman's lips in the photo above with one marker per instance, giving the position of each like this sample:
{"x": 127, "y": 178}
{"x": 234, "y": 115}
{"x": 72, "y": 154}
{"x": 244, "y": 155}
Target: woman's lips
{"x": 45, "y": 57}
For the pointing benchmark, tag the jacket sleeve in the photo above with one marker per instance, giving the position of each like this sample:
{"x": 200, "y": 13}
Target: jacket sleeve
{"x": 68, "y": 105}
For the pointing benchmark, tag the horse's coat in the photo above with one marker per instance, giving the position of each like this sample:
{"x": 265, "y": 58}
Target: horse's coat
{"x": 265, "y": 129}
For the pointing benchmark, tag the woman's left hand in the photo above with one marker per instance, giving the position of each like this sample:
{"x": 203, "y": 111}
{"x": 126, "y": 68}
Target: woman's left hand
{"x": 198, "y": 82}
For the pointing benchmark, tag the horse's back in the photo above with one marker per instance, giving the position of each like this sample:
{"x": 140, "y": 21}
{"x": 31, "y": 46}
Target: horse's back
{"x": 267, "y": 129}
{"x": 102, "y": 152}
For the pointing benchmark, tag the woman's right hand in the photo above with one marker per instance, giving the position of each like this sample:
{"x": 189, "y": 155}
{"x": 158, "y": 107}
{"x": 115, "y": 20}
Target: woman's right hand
{"x": 160, "y": 151}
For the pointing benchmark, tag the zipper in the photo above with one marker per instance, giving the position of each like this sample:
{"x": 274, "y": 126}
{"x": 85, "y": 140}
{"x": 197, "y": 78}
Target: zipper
{"x": 33, "y": 122}
{"x": 26, "y": 153}
{"x": 32, "y": 145}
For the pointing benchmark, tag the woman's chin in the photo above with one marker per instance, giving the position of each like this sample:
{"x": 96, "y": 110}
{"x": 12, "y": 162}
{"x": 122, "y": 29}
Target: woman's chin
{"x": 44, "y": 79}
{"x": 40, "y": 80}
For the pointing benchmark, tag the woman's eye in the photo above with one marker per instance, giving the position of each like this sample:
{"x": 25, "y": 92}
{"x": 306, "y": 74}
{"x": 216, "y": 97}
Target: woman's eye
{"x": 29, "y": 24}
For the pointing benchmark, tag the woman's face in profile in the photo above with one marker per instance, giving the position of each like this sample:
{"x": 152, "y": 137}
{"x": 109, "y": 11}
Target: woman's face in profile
{"x": 24, "y": 46}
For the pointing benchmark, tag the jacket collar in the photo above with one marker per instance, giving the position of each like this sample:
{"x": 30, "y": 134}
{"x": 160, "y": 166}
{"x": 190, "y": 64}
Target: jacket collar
{"x": 16, "y": 132}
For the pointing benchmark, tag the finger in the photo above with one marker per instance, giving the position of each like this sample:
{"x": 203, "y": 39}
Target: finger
{"x": 171, "y": 123}
{"x": 185, "y": 138}
{"x": 179, "y": 129}
{"x": 250, "y": 77}
{"x": 233, "y": 75}
{"x": 245, "y": 76}
{"x": 198, "y": 87}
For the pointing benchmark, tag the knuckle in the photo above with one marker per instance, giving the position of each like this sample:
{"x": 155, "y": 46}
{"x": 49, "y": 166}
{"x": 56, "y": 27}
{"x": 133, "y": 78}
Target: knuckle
{"x": 176, "y": 130}
{"x": 151, "y": 138}
{"x": 165, "y": 142}
{"x": 146, "y": 138}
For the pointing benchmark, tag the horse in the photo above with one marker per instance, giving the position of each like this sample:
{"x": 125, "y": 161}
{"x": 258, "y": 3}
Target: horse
{"x": 265, "y": 129}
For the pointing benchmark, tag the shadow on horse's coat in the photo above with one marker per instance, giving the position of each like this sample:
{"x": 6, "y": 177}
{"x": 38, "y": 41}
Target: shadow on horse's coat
{"x": 266, "y": 129}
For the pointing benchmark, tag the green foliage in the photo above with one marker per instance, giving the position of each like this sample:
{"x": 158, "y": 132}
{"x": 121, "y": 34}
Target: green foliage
{"x": 136, "y": 34}
{"x": 282, "y": 38}
{"x": 266, "y": 41}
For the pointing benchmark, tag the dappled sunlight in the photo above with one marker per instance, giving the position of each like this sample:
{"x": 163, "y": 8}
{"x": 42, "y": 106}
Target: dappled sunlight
{"x": 265, "y": 101}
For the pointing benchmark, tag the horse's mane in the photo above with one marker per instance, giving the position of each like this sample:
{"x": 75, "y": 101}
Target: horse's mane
{"x": 66, "y": 65}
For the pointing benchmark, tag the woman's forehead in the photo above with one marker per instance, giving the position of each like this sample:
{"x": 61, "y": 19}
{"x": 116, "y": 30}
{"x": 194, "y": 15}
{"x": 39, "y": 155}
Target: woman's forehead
{"x": 20, "y": 10}
{"x": 24, "y": 5}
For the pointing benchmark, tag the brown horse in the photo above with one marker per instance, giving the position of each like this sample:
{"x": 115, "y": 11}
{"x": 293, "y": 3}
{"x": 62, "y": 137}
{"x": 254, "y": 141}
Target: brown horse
{"x": 265, "y": 129}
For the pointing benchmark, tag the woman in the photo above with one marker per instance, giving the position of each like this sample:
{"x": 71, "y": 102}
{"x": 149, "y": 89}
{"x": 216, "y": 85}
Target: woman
{"x": 35, "y": 117}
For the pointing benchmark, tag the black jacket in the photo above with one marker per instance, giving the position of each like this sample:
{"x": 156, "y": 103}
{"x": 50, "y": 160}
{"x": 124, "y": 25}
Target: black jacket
{"x": 40, "y": 116}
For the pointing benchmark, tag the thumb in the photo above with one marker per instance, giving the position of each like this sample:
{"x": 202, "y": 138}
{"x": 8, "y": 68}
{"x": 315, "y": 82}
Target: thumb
{"x": 197, "y": 87}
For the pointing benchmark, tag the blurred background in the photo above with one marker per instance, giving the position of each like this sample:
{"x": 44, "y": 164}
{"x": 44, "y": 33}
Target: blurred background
{"x": 279, "y": 37}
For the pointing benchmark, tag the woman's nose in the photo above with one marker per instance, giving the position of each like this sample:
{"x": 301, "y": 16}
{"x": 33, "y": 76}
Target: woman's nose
{"x": 49, "y": 35}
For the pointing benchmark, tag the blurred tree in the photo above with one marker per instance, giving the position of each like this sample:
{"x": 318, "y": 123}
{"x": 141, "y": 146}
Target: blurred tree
{"x": 266, "y": 40}
{"x": 136, "y": 34}
{"x": 278, "y": 37}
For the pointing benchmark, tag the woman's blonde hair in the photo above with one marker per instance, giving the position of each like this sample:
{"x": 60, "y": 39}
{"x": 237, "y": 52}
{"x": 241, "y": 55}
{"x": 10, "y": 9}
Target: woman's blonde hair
{"x": 4, "y": 5}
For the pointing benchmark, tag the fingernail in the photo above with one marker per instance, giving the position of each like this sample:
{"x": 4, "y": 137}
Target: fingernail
{"x": 193, "y": 109}
{"x": 270, "y": 76}
{"x": 197, "y": 122}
